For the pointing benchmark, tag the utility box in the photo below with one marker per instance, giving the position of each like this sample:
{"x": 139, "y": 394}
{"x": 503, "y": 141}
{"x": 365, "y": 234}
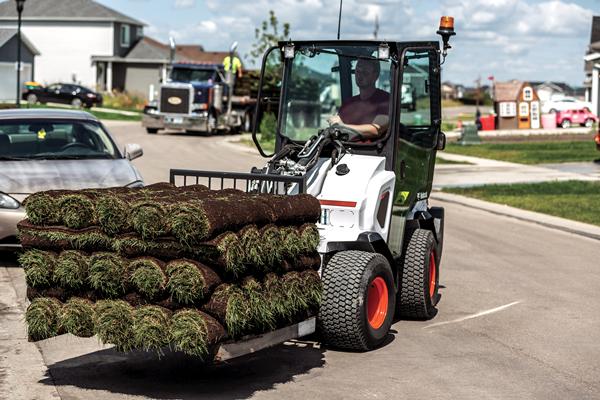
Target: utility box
{"x": 469, "y": 135}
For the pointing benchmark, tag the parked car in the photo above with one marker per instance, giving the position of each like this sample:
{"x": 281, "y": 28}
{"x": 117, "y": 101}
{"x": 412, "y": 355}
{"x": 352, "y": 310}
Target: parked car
{"x": 66, "y": 93}
{"x": 42, "y": 149}
{"x": 563, "y": 104}
{"x": 582, "y": 117}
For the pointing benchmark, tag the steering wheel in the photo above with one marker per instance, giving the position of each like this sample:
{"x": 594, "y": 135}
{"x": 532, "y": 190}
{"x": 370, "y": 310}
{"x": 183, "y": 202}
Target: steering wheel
{"x": 75, "y": 144}
{"x": 348, "y": 134}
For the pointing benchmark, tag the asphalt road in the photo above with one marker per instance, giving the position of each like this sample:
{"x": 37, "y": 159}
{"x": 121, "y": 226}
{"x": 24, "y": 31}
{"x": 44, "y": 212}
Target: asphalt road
{"x": 518, "y": 319}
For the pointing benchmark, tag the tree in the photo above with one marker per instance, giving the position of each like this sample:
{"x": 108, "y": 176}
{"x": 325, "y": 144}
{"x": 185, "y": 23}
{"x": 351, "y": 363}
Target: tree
{"x": 267, "y": 35}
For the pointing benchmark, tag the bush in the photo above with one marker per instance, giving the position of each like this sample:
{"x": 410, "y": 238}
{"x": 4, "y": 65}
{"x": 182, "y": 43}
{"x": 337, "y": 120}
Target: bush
{"x": 123, "y": 100}
{"x": 268, "y": 127}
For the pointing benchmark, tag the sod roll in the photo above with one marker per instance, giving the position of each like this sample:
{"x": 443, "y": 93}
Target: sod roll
{"x": 261, "y": 315}
{"x": 108, "y": 274}
{"x": 71, "y": 269}
{"x": 230, "y": 306}
{"x": 77, "y": 317}
{"x": 38, "y": 266}
{"x": 151, "y": 328}
{"x": 77, "y": 210}
{"x": 42, "y": 317}
{"x": 113, "y": 321}
{"x": 190, "y": 281}
{"x": 147, "y": 276}
{"x": 194, "y": 332}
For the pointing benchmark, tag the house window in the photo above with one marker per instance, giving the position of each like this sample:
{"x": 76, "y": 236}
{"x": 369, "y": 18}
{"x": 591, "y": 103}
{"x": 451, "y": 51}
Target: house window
{"x": 528, "y": 94}
{"x": 523, "y": 109}
{"x": 125, "y": 36}
{"x": 139, "y": 31}
{"x": 508, "y": 109}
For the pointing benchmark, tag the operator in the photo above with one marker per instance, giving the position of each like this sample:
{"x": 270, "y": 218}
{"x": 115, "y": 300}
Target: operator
{"x": 367, "y": 112}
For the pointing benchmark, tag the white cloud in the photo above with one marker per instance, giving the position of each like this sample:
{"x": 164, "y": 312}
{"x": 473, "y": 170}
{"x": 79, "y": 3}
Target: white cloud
{"x": 185, "y": 3}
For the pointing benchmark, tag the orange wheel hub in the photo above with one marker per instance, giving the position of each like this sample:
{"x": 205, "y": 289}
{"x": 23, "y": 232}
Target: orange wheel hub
{"x": 432, "y": 276}
{"x": 377, "y": 302}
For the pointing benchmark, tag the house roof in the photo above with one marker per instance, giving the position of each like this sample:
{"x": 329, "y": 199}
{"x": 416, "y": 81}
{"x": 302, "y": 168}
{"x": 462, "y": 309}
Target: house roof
{"x": 7, "y": 34}
{"x": 558, "y": 86}
{"x": 153, "y": 51}
{"x": 64, "y": 10}
{"x": 507, "y": 91}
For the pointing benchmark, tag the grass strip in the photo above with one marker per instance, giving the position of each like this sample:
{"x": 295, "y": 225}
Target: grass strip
{"x": 113, "y": 321}
{"x": 309, "y": 238}
{"x": 293, "y": 286}
{"x": 270, "y": 244}
{"x": 291, "y": 245}
{"x": 276, "y": 297}
{"x": 229, "y": 304}
{"x": 42, "y": 209}
{"x": 193, "y": 332}
{"x": 147, "y": 276}
{"x": 190, "y": 281}
{"x": 313, "y": 288}
{"x": 250, "y": 241}
{"x": 108, "y": 273}
{"x": 71, "y": 271}
{"x": 42, "y": 317}
{"x": 151, "y": 328}
{"x": 38, "y": 266}
{"x": 56, "y": 237}
{"x": 77, "y": 317}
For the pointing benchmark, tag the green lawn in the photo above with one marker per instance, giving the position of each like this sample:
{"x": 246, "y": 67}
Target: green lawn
{"x": 530, "y": 152}
{"x": 97, "y": 114}
{"x": 576, "y": 200}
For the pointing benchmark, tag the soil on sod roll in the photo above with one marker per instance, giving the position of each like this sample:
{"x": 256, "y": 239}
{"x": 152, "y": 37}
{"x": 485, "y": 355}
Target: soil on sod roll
{"x": 42, "y": 317}
{"x": 77, "y": 317}
{"x": 151, "y": 328}
{"x": 62, "y": 238}
{"x": 190, "y": 281}
{"x": 38, "y": 266}
{"x": 113, "y": 321}
{"x": 108, "y": 274}
{"x": 147, "y": 276}
{"x": 230, "y": 306}
{"x": 293, "y": 210}
{"x": 71, "y": 269}
{"x": 224, "y": 251}
{"x": 302, "y": 262}
{"x": 195, "y": 333}
{"x": 53, "y": 292}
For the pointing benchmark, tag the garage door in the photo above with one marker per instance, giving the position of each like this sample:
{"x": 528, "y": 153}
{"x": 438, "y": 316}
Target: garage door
{"x": 8, "y": 80}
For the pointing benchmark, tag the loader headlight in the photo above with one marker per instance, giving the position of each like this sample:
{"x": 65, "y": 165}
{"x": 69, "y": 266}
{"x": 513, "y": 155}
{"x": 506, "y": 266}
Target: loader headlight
{"x": 8, "y": 202}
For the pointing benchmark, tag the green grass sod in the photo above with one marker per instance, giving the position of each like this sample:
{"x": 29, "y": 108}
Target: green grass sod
{"x": 112, "y": 214}
{"x": 576, "y": 200}
{"x": 192, "y": 332}
{"x": 186, "y": 282}
{"x": 108, "y": 274}
{"x": 149, "y": 218}
{"x": 147, "y": 276}
{"x": 113, "y": 321}
{"x": 77, "y": 317}
{"x": 151, "y": 328}
{"x": 38, "y": 266}
{"x": 188, "y": 222}
{"x": 71, "y": 270}
{"x": 76, "y": 211}
{"x": 276, "y": 297}
{"x": 42, "y": 209}
{"x": 262, "y": 317}
{"x": 309, "y": 238}
{"x": 42, "y": 317}
{"x": 229, "y": 303}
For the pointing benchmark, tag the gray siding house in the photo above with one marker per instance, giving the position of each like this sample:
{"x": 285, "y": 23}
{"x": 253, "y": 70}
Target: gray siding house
{"x": 8, "y": 63}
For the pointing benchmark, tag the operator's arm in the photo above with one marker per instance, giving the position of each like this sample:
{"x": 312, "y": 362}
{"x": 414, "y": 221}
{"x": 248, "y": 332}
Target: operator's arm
{"x": 369, "y": 131}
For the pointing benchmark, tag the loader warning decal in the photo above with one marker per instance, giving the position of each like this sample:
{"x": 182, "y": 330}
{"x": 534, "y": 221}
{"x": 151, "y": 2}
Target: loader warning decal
{"x": 403, "y": 197}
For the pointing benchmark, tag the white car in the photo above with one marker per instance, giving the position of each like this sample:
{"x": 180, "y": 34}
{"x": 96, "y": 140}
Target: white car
{"x": 564, "y": 104}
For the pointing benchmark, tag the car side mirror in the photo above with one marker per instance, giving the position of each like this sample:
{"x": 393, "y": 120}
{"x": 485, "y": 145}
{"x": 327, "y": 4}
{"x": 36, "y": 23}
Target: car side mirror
{"x": 441, "y": 141}
{"x": 133, "y": 151}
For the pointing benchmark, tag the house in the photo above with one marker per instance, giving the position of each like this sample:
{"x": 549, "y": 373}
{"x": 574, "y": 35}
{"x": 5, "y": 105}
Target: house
{"x": 68, "y": 33}
{"x": 592, "y": 67}
{"x": 516, "y": 105}
{"x": 142, "y": 69}
{"x": 8, "y": 63}
{"x": 448, "y": 91}
{"x": 548, "y": 90}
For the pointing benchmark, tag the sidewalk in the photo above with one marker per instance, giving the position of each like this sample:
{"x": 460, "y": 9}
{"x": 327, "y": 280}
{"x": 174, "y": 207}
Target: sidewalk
{"x": 482, "y": 171}
{"x": 455, "y": 134}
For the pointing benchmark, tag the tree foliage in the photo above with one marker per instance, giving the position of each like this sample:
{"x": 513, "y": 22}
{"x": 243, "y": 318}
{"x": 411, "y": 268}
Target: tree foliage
{"x": 268, "y": 35}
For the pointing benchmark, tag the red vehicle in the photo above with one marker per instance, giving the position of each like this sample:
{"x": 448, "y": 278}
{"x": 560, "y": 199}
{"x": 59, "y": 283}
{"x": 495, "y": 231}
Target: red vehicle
{"x": 568, "y": 118}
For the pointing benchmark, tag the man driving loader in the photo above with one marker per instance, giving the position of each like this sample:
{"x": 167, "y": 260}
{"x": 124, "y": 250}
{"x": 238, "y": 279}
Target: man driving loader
{"x": 367, "y": 112}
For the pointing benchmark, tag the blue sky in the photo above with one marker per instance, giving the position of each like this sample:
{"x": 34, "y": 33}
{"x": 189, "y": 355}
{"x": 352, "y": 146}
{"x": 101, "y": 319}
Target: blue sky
{"x": 529, "y": 40}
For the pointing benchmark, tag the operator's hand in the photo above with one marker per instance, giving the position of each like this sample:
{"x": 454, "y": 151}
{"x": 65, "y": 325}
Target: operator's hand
{"x": 335, "y": 119}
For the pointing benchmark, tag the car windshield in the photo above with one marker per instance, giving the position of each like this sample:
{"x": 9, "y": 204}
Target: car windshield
{"x": 345, "y": 81}
{"x": 192, "y": 75}
{"x": 54, "y": 139}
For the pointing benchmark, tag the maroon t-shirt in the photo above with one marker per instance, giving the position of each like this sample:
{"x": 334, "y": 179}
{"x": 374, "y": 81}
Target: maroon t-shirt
{"x": 357, "y": 111}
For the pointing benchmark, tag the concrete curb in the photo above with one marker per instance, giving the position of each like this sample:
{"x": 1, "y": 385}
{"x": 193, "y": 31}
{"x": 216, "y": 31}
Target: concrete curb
{"x": 563, "y": 224}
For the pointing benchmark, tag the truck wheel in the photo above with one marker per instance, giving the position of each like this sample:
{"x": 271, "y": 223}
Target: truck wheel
{"x": 152, "y": 131}
{"x": 247, "y": 122}
{"x": 32, "y": 98}
{"x": 358, "y": 300}
{"x": 419, "y": 277}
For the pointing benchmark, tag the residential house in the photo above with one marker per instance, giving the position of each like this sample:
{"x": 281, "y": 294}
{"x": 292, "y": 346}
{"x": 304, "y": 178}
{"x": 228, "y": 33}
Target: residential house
{"x": 592, "y": 67}
{"x": 549, "y": 90}
{"x": 68, "y": 33}
{"x": 8, "y": 63}
{"x": 516, "y": 105}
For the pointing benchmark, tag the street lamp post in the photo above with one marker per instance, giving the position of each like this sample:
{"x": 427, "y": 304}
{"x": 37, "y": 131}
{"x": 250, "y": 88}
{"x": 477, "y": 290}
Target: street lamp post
{"x": 20, "y": 4}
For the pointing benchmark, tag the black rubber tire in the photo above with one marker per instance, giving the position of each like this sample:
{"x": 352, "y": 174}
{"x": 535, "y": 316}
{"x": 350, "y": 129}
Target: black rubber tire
{"x": 343, "y": 320}
{"x": 438, "y": 213}
{"x": 414, "y": 299}
{"x": 152, "y": 131}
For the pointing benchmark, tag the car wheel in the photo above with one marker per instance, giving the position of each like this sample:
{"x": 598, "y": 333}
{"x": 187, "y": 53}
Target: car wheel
{"x": 589, "y": 123}
{"x": 151, "y": 131}
{"x": 552, "y": 111}
{"x": 248, "y": 121}
{"x": 76, "y": 102}
{"x": 565, "y": 123}
{"x": 32, "y": 98}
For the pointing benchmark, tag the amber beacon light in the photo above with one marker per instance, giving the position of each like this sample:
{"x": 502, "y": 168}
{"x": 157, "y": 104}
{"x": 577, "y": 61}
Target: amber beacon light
{"x": 446, "y": 31}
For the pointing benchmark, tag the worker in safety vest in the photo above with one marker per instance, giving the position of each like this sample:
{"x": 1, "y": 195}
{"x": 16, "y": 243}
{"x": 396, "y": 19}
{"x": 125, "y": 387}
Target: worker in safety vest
{"x": 237, "y": 66}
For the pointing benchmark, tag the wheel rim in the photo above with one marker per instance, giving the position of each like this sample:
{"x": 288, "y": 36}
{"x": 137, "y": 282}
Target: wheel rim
{"x": 432, "y": 274}
{"x": 377, "y": 302}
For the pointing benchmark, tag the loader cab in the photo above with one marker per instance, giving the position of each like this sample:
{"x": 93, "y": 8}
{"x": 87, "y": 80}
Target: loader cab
{"x": 304, "y": 71}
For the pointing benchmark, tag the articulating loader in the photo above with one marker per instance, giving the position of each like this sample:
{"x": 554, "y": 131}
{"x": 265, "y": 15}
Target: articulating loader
{"x": 344, "y": 136}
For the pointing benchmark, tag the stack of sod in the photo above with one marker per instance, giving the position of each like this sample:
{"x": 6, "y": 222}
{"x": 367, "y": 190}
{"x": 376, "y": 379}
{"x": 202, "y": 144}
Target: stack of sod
{"x": 160, "y": 267}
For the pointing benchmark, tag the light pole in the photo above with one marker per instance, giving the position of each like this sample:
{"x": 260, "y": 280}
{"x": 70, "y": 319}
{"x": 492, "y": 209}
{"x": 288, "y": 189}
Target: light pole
{"x": 20, "y": 4}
